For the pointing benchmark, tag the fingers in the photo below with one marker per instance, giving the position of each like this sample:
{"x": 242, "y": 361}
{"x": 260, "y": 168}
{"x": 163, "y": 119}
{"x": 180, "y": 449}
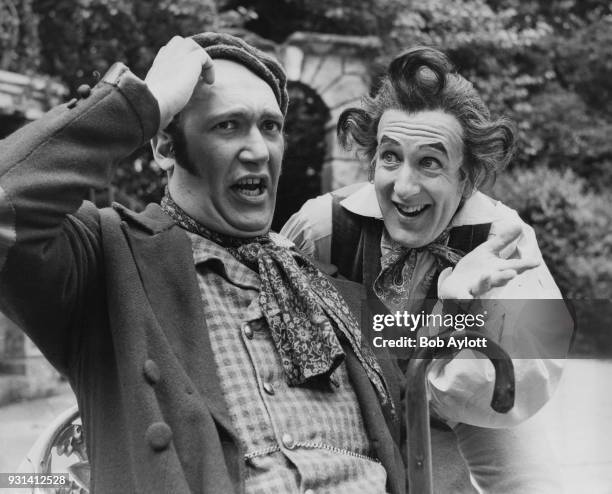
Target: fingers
{"x": 208, "y": 72}
{"x": 175, "y": 73}
{"x": 505, "y": 234}
{"x": 203, "y": 60}
{"x": 500, "y": 278}
{"x": 518, "y": 265}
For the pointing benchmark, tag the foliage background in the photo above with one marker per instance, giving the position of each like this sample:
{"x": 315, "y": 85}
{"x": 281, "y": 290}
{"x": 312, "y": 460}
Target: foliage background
{"x": 547, "y": 64}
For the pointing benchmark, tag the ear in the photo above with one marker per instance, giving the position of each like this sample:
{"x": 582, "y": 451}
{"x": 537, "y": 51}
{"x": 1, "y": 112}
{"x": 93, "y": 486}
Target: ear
{"x": 163, "y": 150}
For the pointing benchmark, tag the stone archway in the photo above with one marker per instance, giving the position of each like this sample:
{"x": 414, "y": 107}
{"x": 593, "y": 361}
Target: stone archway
{"x": 338, "y": 68}
{"x": 305, "y": 151}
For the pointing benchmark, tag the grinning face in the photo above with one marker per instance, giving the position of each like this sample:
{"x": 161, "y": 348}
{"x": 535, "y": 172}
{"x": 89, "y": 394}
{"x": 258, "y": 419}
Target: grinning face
{"x": 417, "y": 173}
{"x": 233, "y": 134}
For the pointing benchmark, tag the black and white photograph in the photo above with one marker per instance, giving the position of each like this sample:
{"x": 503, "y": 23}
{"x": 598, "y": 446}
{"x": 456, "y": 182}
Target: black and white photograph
{"x": 306, "y": 246}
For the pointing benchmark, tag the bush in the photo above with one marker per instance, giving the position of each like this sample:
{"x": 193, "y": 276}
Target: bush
{"x": 574, "y": 230}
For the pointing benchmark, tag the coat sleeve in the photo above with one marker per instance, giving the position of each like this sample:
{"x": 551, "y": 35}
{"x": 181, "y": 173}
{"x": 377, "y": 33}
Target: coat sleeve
{"x": 50, "y": 243}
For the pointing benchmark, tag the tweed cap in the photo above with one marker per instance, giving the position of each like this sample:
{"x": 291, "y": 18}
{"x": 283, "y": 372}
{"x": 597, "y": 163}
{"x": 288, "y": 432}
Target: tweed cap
{"x": 226, "y": 46}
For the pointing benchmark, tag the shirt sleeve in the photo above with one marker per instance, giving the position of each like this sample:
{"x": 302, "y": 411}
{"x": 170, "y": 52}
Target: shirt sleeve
{"x": 530, "y": 320}
{"x": 310, "y": 229}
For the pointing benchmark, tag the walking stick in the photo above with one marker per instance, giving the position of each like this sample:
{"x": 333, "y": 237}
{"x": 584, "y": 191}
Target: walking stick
{"x": 418, "y": 439}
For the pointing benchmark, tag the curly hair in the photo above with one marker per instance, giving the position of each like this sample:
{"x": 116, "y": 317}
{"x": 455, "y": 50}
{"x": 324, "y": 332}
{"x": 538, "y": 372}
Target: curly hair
{"x": 422, "y": 79}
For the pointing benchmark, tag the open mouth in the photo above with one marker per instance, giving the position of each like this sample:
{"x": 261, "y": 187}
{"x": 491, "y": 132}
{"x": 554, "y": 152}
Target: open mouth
{"x": 411, "y": 211}
{"x": 251, "y": 186}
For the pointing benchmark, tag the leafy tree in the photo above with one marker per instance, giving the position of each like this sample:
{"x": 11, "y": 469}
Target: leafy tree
{"x": 574, "y": 231}
{"x": 82, "y": 38}
{"x": 277, "y": 19}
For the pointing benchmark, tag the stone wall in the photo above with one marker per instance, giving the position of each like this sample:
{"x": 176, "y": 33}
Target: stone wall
{"x": 24, "y": 372}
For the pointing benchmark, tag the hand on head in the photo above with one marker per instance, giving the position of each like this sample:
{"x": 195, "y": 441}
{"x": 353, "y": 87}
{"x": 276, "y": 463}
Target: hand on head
{"x": 486, "y": 266}
{"x": 176, "y": 70}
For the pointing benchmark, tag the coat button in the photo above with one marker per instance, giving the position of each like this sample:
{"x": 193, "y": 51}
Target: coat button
{"x": 158, "y": 436}
{"x": 72, "y": 103}
{"x": 248, "y": 332}
{"x": 151, "y": 371}
{"x": 268, "y": 388}
{"x": 83, "y": 91}
{"x": 288, "y": 441}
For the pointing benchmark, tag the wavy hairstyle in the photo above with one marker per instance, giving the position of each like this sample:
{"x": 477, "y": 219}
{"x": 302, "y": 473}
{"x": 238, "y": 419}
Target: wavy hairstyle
{"x": 422, "y": 79}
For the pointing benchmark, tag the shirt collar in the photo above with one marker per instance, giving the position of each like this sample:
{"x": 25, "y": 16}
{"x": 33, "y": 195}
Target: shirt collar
{"x": 207, "y": 251}
{"x": 478, "y": 208}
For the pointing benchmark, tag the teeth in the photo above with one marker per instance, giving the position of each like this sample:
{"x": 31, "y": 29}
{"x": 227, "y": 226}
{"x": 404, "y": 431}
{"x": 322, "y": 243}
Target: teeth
{"x": 251, "y": 192}
{"x": 250, "y": 181}
{"x": 250, "y": 186}
{"x": 411, "y": 209}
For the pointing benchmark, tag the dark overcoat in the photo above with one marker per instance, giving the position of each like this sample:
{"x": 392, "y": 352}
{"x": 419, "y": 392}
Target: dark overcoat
{"x": 111, "y": 298}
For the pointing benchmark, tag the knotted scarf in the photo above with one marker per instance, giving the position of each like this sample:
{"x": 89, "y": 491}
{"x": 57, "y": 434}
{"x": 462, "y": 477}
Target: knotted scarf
{"x": 398, "y": 264}
{"x": 299, "y": 304}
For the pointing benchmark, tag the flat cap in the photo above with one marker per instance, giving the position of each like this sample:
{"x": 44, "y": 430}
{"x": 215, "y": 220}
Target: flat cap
{"x": 226, "y": 46}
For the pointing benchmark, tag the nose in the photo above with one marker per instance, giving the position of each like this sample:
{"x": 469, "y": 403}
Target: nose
{"x": 255, "y": 149}
{"x": 407, "y": 182}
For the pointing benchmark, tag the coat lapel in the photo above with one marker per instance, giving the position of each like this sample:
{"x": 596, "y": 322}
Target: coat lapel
{"x": 164, "y": 260}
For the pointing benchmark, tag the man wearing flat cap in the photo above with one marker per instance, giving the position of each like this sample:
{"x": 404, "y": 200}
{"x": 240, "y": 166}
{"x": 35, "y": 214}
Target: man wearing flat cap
{"x": 206, "y": 354}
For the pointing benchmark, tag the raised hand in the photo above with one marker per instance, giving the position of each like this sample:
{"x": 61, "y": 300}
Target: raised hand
{"x": 177, "y": 68}
{"x": 486, "y": 266}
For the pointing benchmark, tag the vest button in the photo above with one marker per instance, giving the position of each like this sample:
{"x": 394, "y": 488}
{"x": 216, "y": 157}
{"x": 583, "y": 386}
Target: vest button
{"x": 288, "y": 441}
{"x": 268, "y": 388}
{"x": 248, "y": 332}
{"x": 158, "y": 436}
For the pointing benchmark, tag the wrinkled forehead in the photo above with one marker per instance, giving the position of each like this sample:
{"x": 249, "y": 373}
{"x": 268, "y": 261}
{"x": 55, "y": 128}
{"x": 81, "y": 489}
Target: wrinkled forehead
{"x": 420, "y": 128}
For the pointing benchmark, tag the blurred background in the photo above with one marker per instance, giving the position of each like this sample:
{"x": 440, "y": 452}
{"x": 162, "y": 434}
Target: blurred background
{"x": 546, "y": 64}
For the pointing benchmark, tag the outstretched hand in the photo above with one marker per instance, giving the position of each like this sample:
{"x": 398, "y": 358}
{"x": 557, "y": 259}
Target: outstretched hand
{"x": 174, "y": 74}
{"x": 485, "y": 267}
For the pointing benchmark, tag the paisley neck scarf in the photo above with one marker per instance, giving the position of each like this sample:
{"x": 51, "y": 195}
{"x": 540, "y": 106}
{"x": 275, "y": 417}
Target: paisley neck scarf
{"x": 398, "y": 264}
{"x": 299, "y": 304}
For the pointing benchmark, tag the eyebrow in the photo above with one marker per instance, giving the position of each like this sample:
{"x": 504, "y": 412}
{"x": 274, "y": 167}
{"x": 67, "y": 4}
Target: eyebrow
{"x": 435, "y": 145}
{"x": 273, "y": 114}
{"x": 239, "y": 113}
{"x": 388, "y": 140}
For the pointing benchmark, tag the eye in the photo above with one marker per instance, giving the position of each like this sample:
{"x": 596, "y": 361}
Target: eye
{"x": 390, "y": 157}
{"x": 271, "y": 126}
{"x": 227, "y": 125}
{"x": 430, "y": 163}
